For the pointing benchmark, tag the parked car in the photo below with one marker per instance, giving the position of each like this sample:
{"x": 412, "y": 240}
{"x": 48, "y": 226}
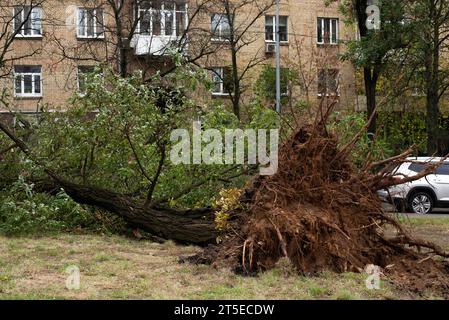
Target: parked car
{"x": 422, "y": 195}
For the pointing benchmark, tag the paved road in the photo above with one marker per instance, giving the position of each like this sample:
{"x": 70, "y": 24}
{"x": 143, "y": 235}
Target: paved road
{"x": 436, "y": 213}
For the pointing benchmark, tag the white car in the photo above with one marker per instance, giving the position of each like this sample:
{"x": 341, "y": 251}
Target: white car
{"x": 422, "y": 195}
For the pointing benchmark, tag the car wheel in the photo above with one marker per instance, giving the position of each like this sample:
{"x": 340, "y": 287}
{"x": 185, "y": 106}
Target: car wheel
{"x": 420, "y": 203}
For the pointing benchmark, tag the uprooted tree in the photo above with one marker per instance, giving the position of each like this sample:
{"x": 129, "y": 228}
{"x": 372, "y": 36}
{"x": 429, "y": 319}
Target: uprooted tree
{"x": 111, "y": 150}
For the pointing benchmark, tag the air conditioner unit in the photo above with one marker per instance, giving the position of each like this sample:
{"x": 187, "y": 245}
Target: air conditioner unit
{"x": 270, "y": 48}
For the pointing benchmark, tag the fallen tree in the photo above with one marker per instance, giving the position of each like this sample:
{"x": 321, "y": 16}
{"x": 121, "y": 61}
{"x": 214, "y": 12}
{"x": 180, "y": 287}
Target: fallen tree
{"x": 111, "y": 150}
{"x": 194, "y": 226}
{"x": 318, "y": 210}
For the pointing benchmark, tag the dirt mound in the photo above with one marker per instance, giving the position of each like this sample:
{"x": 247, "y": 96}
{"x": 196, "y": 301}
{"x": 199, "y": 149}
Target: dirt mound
{"x": 324, "y": 214}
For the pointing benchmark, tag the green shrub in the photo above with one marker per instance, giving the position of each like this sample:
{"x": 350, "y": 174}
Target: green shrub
{"x": 403, "y": 129}
{"x": 265, "y": 86}
{"x": 346, "y": 126}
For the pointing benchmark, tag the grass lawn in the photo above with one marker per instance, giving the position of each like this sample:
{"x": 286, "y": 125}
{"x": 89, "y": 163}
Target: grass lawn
{"x": 424, "y": 220}
{"x": 114, "y": 267}
{"x": 120, "y": 268}
{"x": 432, "y": 228}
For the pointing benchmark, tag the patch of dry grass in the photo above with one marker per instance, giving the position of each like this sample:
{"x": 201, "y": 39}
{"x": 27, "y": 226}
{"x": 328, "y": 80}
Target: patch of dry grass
{"x": 427, "y": 221}
{"x": 114, "y": 267}
{"x": 431, "y": 228}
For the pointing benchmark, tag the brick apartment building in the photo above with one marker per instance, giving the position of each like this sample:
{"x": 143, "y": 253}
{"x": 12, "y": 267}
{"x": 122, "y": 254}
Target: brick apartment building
{"x": 58, "y": 41}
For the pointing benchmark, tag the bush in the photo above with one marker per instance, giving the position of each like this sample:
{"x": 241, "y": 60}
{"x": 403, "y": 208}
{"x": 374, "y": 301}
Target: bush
{"x": 24, "y": 211}
{"x": 403, "y": 129}
{"x": 346, "y": 126}
{"x": 265, "y": 86}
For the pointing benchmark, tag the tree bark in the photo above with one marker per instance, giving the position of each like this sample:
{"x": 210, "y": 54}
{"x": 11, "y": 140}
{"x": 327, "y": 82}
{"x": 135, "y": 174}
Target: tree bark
{"x": 432, "y": 65}
{"x": 193, "y": 226}
{"x": 370, "y": 79}
{"x": 236, "y": 88}
{"x": 370, "y": 73}
{"x": 236, "y": 85}
{"x": 432, "y": 122}
{"x": 121, "y": 47}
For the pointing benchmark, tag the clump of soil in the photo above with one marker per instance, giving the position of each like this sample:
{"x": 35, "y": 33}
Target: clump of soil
{"x": 324, "y": 214}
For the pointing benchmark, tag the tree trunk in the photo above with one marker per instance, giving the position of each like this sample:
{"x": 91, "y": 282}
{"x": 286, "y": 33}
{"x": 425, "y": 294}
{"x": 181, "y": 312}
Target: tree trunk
{"x": 236, "y": 88}
{"x": 193, "y": 226}
{"x": 432, "y": 123}
{"x": 432, "y": 64}
{"x": 235, "y": 85}
{"x": 370, "y": 72}
{"x": 122, "y": 47}
{"x": 370, "y": 79}
{"x": 123, "y": 62}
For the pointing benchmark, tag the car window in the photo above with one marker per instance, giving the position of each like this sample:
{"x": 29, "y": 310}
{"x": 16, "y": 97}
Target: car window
{"x": 416, "y": 167}
{"x": 443, "y": 170}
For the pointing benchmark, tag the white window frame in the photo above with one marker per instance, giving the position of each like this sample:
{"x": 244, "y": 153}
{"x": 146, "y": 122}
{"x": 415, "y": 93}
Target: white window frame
{"x": 34, "y": 34}
{"x": 219, "y": 29}
{"x": 78, "y": 24}
{"x": 162, "y": 11}
{"x": 219, "y": 72}
{"x": 323, "y": 20}
{"x": 274, "y": 29}
{"x": 22, "y": 94}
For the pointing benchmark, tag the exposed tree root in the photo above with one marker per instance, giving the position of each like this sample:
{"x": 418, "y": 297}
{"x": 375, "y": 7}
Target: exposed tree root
{"x": 323, "y": 214}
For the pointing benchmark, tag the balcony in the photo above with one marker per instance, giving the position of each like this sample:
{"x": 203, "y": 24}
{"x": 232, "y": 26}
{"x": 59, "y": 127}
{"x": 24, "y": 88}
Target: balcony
{"x": 154, "y": 45}
{"x": 160, "y": 26}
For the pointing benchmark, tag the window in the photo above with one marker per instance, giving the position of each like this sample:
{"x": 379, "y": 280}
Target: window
{"x": 222, "y": 80}
{"x": 162, "y": 18}
{"x": 83, "y": 73}
{"x": 220, "y": 27}
{"x": 28, "y": 81}
{"x": 270, "y": 28}
{"x": 90, "y": 23}
{"x": 328, "y": 82}
{"x": 443, "y": 170}
{"x": 266, "y": 83}
{"x": 418, "y": 167}
{"x": 28, "y": 21}
{"x": 327, "y": 31}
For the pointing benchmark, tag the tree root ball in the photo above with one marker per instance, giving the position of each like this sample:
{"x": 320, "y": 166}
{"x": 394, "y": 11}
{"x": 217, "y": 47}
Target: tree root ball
{"x": 322, "y": 213}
